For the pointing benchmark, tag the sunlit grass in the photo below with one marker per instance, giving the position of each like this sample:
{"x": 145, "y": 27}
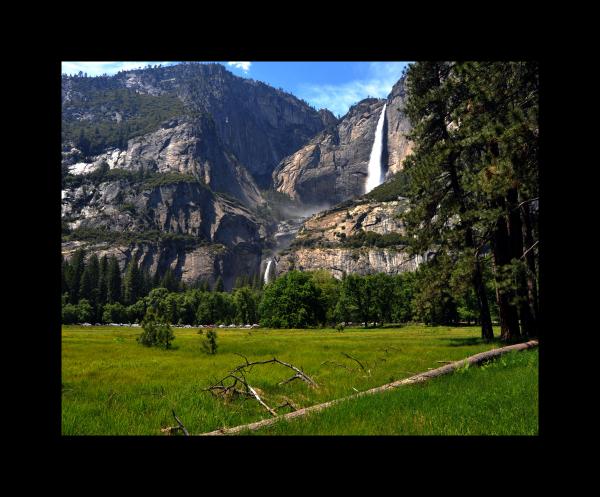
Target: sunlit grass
{"x": 114, "y": 386}
{"x": 500, "y": 398}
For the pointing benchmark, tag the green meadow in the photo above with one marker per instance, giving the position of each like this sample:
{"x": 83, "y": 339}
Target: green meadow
{"x": 111, "y": 385}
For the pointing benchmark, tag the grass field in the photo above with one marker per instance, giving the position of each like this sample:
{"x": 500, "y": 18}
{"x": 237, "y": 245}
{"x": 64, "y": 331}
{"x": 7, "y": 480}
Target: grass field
{"x": 114, "y": 386}
{"x": 499, "y": 398}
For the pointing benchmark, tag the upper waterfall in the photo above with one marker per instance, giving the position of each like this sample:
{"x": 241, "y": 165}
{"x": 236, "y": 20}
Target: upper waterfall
{"x": 375, "y": 172}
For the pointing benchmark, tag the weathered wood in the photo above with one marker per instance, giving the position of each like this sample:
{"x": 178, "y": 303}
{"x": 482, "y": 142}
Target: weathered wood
{"x": 421, "y": 377}
{"x": 185, "y": 432}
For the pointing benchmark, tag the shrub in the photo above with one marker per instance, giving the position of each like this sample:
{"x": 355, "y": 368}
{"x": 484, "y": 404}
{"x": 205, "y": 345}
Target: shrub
{"x": 157, "y": 331}
{"x": 209, "y": 343}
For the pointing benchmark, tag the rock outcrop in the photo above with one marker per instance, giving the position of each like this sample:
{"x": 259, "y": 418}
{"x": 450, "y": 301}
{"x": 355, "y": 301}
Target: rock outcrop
{"x": 180, "y": 146}
{"x": 332, "y": 167}
{"x": 398, "y": 127}
{"x": 259, "y": 124}
{"x": 332, "y": 240}
{"x": 182, "y": 226}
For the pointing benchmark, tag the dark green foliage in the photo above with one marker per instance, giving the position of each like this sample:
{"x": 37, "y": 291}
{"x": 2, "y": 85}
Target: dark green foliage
{"x": 434, "y": 303}
{"x": 292, "y": 301}
{"x": 246, "y": 303}
{"x": 170, "y": 178}
{"x": 219, "y": 286}
{"x": 140, "y": 113}
{"x": 372, "y": 239}
{"x": 113, "y": 281}
{"x": 132, "y": 283}
{"x": 209, "y": 342}
{"x": 115, "y": 313}
{"x": 169, "y": 281}
{"x": 396, "y": 186}
{"x": 74, "y": 274}
{"x": 157, "y": 331}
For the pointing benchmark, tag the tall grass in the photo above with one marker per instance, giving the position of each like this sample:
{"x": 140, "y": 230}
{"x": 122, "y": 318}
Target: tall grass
{"x": 500, "y": 398}
{"x": 114, "y": 386}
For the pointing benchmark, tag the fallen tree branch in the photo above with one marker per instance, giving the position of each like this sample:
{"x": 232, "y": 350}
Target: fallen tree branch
{"x": 169, "y": 430}
{"x": 356, "y": 360}
{"x": 224, "y": 390}
{"x": 421, "y": 377}
{"x": 299, "y": 373}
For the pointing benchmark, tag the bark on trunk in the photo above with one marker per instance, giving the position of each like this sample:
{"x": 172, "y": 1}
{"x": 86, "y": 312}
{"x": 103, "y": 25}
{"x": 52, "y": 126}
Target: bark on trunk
{"x": 509, "y": 318}
{"x": 531, "y": 265}
{"x": 515, "y": 231}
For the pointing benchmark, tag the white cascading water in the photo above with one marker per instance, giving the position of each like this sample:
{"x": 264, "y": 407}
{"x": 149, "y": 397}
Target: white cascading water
{"x": 267, "y": 276}
{"x": 374, "y": 171}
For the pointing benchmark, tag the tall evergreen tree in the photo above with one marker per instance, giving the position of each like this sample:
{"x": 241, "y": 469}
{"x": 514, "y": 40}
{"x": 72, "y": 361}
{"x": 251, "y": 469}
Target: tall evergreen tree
{"x": 102, "y": 280}
{"x": 113, "y": 287}
{"x": 498, "y": 133}
{"x": 89, "y": 279}
{"x": 219, "y": 286}
{"x": 442, "y": 213}
{"x": 64, "y": 273}
{"x": 132, "y": 283}
{"x": 76, "y": 266}
{"x": 169, "y": 281}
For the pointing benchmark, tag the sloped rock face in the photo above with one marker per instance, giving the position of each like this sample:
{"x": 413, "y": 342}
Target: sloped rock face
{"x": 256, "y": 122}
{"x": 222, "y": 238}
{"x": 183, "y": 147}
{"x": 322, "y": 241}
{"x": 340, "y": 261}
{"x": 332, "y": 167}
{"x": 398, "y": 127}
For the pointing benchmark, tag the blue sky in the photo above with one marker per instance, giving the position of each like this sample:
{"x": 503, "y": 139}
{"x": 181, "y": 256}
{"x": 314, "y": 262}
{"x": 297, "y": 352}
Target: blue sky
{"x": 332, "y": 85}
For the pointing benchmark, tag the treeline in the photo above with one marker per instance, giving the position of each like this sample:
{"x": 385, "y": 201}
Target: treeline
{"x": 95, "y": 291}
{"x": 473, "y": 183}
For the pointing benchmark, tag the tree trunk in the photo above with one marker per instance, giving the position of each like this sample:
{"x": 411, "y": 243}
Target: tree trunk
{"x": 531, "y": 266}
{"x": 515, "y": 231}
{"x": 487, "y": 332}
{"x": 509, "y": 318}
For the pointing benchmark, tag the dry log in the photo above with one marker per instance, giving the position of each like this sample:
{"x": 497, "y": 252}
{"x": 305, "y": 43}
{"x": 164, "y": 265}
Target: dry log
{"x": 421, "y": 377}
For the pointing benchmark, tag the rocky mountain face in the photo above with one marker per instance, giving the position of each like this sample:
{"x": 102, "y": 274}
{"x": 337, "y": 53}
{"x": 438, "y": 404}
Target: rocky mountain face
{"x": 398, "y": 127}
{"x": 332, "y": 167}
{"x": 360, "y": 236}
{"x": 165, "y": 166}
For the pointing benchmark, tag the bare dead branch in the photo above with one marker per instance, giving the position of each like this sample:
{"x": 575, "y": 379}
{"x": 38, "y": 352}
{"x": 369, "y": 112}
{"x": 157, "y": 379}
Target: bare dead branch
{"x": 354, "y": 359}
{"x": 185, "y": 432}
{"x": 525, "y": 253}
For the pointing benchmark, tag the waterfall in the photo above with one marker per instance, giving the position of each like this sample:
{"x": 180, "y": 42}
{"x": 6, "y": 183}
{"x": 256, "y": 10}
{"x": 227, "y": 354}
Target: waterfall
{"x": 374, "y": 176}
{"x": 268, "y": 271}
{"x": 266, "y": 278}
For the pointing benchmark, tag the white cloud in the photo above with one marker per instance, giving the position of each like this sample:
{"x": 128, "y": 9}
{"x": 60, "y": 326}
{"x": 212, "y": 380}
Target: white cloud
{"x": 98, "y": 68}
{"x": 378, "y": 82}
{"x": 244, "y": 66}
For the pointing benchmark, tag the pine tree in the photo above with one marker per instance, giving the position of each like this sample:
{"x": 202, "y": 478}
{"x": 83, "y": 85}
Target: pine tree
{"x": 219, "y": 286}
{"x": 89, "y": 280}
{"x": 102, "y": 280}
{"x": 132, "y": 283}
{"x": 76, "y": 268}
{"x": 442, "y": 214}
{"x": 169, "y": 281}
{"x": 64, "y": 272}
{"x": 113, "y": 292}
{"x": 498, "y": 133}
